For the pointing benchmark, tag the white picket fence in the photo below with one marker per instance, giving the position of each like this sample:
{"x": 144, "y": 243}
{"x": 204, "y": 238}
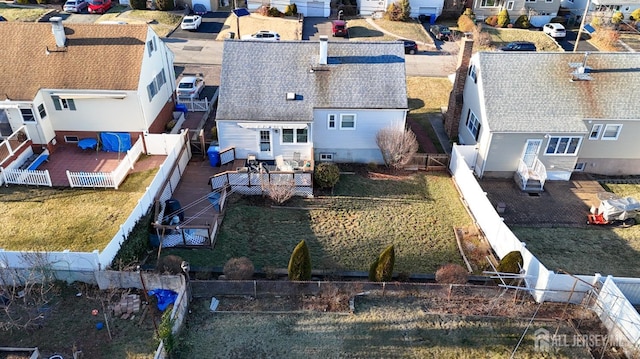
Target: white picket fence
{"x": 195, "y": 105}
{"x": 111, "y": 179}
{"x": 28, "y": 177}
{"x": 612, "y": 305}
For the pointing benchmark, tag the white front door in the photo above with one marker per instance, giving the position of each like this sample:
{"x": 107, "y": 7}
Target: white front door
{"x": 531, "y": 150}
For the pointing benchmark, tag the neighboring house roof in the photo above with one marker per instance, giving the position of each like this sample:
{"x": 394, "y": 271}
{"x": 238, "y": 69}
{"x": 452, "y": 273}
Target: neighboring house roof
{"x": 257, "y": 75}
{"x": 97, "y": 57}
{"x": 533, "y": 92}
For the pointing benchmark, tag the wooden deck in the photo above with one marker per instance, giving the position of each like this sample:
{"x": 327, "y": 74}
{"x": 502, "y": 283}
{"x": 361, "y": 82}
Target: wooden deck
{"x": 194, "y": 187}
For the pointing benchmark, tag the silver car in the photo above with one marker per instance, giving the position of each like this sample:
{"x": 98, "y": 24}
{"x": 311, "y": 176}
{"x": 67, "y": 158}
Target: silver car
{"x": 75, "y": 5}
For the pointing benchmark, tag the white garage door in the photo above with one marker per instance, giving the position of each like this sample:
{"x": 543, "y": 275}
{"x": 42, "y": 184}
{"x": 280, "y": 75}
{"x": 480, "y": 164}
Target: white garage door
{"x": 315, "y": 9}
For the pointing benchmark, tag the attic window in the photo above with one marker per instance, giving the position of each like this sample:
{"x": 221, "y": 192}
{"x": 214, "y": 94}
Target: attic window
{"x": 291, "y": 96}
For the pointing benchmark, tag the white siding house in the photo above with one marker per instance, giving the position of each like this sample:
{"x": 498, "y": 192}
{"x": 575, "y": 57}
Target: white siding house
{"x": 432, "y": 8}
{"x": 304, "y": 99}
{"x": 83, "y": 79}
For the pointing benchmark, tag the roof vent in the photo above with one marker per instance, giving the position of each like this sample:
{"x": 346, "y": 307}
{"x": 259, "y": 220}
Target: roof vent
{"x": 291, "y": 96}
{"x": 58, "y": 31}
{"x": 582, "y": 71}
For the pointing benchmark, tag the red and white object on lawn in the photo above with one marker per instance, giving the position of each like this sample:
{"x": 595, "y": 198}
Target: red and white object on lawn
{"x": 614, "y": 210}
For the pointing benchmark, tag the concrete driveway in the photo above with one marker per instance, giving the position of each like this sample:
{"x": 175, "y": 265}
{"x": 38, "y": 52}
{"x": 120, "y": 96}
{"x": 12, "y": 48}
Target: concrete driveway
{"x": 314, "y": 27}
{"x": 569, "y": 42}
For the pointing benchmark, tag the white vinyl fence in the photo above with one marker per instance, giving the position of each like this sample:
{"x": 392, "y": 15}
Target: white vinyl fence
{"x": 615, "y": 310}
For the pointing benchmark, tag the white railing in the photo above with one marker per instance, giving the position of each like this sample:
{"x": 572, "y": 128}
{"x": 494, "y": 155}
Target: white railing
{"x": 523, "y": 172}
{"x": 12, "y": 144}
{"x": 108, "y": 179}
{"x": 195, "y": 105}
{"x": 539, "y": 173}
{"x": 26, "y": 177}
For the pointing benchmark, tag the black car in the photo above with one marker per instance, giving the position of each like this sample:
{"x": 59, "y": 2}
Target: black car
{"x": 519, "y": 46}
{"x": 410, "y": 47}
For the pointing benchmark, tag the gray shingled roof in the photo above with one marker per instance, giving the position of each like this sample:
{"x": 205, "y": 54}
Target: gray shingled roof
{"x": 257, "y": 75}
{"x": 532, "y": 92}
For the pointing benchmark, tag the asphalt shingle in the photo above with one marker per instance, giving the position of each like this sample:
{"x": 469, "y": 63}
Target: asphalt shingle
{"x": 257, "y": 75}
{"x": 533, "y": 92}
{"x": 96, "y": 56}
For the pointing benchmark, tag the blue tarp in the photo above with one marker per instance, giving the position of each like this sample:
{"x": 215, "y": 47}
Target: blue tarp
{"x": 115, "y": 141}
{"x": 165, "y": 297}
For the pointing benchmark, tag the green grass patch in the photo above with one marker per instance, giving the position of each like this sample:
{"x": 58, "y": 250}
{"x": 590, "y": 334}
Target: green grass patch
{"x": 427, "y": 95}
{"x": 412, "y": 30}
{"x": 12, "y": 13}
{"x": 501, "y": 37}
{"x": 55, "y": 219}
{"x": 596, "y": 249}
{"x": 377, "y": 329}
{"x": 348, "y": 230}
{"x": 591, "y": 250}
{"x": 361, "y": 30}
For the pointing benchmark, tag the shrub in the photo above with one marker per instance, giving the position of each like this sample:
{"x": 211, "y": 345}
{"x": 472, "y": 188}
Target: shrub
{"x": 469, "y": 13}
{"x": 165, "y": 5}
{"x": 503, "y": 18}
{"x": 523, "y": 22}
{"x": 606, "y": 38}
{"x": 491, "y": 21}
{"x": 138, "y": 4}
{"x": 170, "y": 125}
{"x": 482, "y": 38}
{"x": 214, "y": 133}
{"x": 170, "y": 264}
{"x": 397, "y": 146}
{"x": 238, "y": 269}
{"x": 466, "y": 23}
{"x": 300, "y": 263}
{"x": 451, "y": 274}
{"x": 281, "y": 189}
{"x": 274, "y": 12}
{"x": 165, "y": 330}
{"x": 617, "y": 17}
{"x": 326, "y": 175}
{"x": 511, "y": 263}
{"x": 136, "y": 246}
{"x": 263, "y": 10}
{"x": 635, "y": 15}
{"x": 23, "y": 2}
{"x": 398, "y": 11}
{"x": 291, "y": 10}
{"x": 382, "y": 269}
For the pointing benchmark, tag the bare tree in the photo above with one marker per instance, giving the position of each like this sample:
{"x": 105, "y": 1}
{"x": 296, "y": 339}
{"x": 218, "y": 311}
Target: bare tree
{"x": 397, "y": 146}
{"x": 280, "y": 189}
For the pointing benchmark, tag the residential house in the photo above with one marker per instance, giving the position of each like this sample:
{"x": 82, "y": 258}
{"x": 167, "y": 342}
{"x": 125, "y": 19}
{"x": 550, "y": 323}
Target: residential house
{"x": 603, "y": 8}
{"x": 539, "y": 12}
{"x": 311, "y": 8}
{"x": 67, "y": 81}
{"x": 547, "y": 115}
{"x": 322, "y": 101}
{"x": 431, "y": 8}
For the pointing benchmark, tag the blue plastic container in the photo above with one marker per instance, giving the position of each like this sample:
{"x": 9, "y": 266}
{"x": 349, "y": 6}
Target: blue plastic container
{"x": 214, "y": 156}
{"x": 182, "y": 108}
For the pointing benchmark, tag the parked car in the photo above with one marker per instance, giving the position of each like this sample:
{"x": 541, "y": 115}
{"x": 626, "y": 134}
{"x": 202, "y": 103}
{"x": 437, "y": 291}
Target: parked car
{"x": 263, "y": 35}
{"x": 190, "y": 87}
{"x": 199, "y": 9}
{"x": 191, "y": 22}
{"x": 75, "y": 5}
{"x": 554, "y": 30}
{"x": 519, "y": 46}
{"x": 441, "y": 32}
{"x": 2, "y": 18}
{"x": 339, "y": 28}
{"x": 99, "y": 6}
{"x": 410, "y": 47}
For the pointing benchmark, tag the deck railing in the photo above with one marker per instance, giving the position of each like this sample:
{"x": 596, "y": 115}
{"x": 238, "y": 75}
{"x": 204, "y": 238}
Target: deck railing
{"x": 10, "y": 146}
{"x": 108, "y": 179}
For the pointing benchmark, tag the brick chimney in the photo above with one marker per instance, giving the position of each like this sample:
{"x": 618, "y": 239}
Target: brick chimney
{"x": 454, "y": 108}
{"x": 58, "y": 31}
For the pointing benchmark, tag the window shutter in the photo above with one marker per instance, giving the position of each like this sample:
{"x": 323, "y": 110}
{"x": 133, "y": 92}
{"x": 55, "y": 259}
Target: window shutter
{"x": 72, "y": 104}
{"x": 478, "y": 133}
{"x": 56, "y": 102}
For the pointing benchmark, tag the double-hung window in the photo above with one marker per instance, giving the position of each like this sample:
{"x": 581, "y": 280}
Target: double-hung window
{"x": 331, "y": 122}
{"x": 611, "y": 132}
{"x": 41, "y": 111}
{"x": 27, "y": 115}
{"x": 347, "y": 122}
{"x": 595, "y": 132}
{"x": 563, "y": 146}
{"x": 291, "y": 135}
{"x": 473, "y": 124}
{"x": 63, "y": 103}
